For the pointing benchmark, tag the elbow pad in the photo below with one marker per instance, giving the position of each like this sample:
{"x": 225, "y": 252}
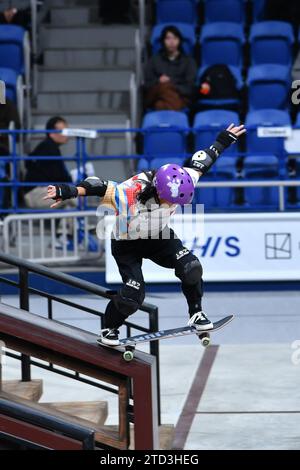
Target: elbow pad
{"x": 94, "y": 186}
{"x": 204, "y": 159}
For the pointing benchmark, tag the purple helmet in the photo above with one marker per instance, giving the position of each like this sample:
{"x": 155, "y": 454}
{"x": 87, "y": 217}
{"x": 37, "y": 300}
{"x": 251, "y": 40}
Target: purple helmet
{"x": 174, "y": 184}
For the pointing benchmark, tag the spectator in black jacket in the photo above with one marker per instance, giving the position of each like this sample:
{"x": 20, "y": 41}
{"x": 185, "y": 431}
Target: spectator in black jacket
{"x": 48, "y": 171}
{"x": 170, "y": 75}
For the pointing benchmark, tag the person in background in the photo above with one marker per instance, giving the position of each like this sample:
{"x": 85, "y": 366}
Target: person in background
{"x": 47, "y": 171}
{"x": 170, "y": 75}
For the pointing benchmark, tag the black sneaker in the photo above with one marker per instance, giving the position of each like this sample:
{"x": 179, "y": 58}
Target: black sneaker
{"x": 109, "y": 336}
{"x": 200, "y": 321}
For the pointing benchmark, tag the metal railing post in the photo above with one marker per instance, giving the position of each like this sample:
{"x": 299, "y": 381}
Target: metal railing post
{"x": 24, "y": 305}
{"x": 154, "y": 350}
{"x": 33, "y": 4}
{"x": 142, "y": 19}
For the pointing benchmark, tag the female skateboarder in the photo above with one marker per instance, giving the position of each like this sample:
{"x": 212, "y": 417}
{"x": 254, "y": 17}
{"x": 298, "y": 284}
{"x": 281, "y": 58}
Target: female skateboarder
{"x": 143, "y": 205}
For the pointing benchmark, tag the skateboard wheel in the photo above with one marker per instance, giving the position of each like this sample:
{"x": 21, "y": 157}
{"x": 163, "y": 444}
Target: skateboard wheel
{"x": 128, "y": 356}
{"x": 205, "y": 340}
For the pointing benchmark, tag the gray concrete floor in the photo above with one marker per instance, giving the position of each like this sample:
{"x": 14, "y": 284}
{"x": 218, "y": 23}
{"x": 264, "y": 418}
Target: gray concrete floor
{"x": 251, "y": 399}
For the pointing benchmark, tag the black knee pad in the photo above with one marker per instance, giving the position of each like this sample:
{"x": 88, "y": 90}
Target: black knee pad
{"x": 189, "y": 270}
{"x": 129, "y": 298}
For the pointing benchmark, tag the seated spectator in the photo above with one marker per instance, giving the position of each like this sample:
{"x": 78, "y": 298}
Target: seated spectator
{"x": 170, "y": 75}
{"x": 48, "y": 171}
{"x": 19, "y": 17}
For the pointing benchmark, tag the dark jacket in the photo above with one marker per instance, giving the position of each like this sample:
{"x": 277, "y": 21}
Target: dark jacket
{"x": 46, "y": 171}
{"x": 182, "y": 72}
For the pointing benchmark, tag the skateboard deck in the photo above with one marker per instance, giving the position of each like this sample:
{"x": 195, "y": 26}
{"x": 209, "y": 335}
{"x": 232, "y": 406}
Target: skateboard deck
{"x": 127, "y": 345}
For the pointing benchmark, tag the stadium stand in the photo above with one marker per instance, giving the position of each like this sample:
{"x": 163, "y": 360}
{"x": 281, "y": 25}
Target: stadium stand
{"x": 269, "y": 86}
{"x": 222, "y": 36}
{"x": 271, "y": 43}
{"x": 165, "y": 137}
{"x": 208, "y": 123}
{"x": 224, "y": 10}
{"x": 184, "y": 11}
{"x": 92, "y": 74}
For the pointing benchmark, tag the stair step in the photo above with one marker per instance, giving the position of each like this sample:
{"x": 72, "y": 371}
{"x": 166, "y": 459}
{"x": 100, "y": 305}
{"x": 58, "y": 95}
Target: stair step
{"x": 91, "y": 35}
{"x": 166, "y": 436}
{"x": 32, "y": 390}
{"x": 88, "y": 102}
{"x": 93, "y": 411}
{"x": 102, "y": 433}
{"x": 70, "y": 16}
{"x": 108, "y": 80}
{"x": 80, "y": 68}
{"x": 90, "y": 57}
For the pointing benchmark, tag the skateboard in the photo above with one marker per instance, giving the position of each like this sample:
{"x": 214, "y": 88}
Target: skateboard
{"x": 128, "y": 345}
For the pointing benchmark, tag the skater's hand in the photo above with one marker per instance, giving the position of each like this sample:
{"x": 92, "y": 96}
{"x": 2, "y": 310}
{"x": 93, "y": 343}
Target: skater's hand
{"x": 61, "y": 192}
{"x": 236, "y": 130}
{"x": 51, "y": 194}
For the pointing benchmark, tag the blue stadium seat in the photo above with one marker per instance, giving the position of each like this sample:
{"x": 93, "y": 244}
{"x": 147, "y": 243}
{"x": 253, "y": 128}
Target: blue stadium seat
{"x": 10, "y": 77}
{"x": 261, "y": 168}
{"x": 266, "y": 118}
{"x": 221, "y": 43}
{"x": 182, "y": 11}
{"x": 215, "y": 199}
{"x": 166, "y": 146}
{"x": 208, "y": 123}
{"x": 222, "y": 103}
{"x": 11, "y": 47}
{"x": 187, "y": 31}
{"x": 145, "y": 165}
{"x": 224, "y": 10}
{"x": 271, "y": 43}
{"x": 258, "y": 10}
{"x": 269, "y": 86}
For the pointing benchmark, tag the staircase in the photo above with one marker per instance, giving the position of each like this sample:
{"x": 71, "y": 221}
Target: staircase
{"x": 85, "y": 76}
{"x": 89, "y": 413}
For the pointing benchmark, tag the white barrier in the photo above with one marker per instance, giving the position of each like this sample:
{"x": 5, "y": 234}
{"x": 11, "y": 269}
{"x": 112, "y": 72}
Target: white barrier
{"x": 34, "y": 236}
{"x": 231, "y": 247}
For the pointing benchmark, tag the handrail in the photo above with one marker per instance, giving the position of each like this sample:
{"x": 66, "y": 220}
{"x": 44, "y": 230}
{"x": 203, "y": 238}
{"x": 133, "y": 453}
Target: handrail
{"x": 26, "y": 413}
{"x": 142, "y": 20}
{"x": 81, "y": 156}
{"x": 59, "y": 276}
{"x": 133, "y": 92}
{"x": 77, "y": 350}
{"x": 280, "y": 184}
{"x": 25, "y": 267}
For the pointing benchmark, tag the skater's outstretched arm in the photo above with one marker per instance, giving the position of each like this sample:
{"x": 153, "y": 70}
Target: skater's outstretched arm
{"x": 91, "y": 186}
{"x": 203, "y": 160}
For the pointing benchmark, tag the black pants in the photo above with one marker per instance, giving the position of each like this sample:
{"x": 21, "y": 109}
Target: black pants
{"x": 169, "y": 253}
